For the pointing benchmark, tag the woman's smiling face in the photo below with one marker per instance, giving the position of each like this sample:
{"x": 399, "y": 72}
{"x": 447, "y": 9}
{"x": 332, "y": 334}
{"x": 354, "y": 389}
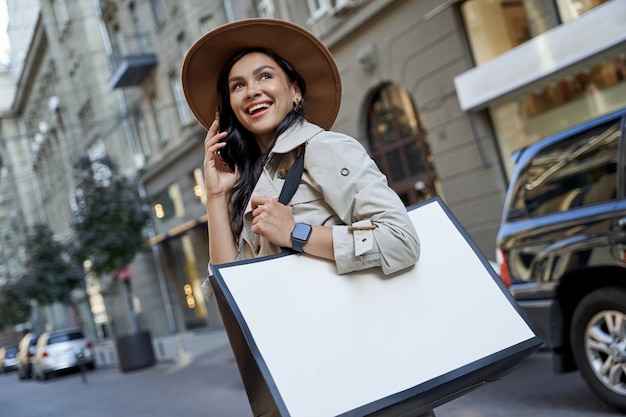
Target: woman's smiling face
{"x": 261, "y": 95}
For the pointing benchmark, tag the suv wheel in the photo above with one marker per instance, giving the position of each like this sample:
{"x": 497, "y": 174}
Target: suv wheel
{"x": 598, "y": 338}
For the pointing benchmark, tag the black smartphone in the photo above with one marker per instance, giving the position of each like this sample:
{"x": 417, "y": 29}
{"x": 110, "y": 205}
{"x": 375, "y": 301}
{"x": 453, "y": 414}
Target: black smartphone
{"x": 227, "y": 155}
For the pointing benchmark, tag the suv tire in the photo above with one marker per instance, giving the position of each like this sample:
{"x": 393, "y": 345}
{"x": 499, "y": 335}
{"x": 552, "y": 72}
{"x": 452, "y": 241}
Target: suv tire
{"x": 598, "y": 340}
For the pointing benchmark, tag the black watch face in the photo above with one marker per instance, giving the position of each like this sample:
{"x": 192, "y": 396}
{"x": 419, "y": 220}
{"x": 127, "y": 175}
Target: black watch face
{"x": 301, "y": 231}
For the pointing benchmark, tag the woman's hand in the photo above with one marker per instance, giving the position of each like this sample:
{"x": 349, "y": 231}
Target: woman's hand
{"x": 218, "y": 178}
{"x": 272, "y": 220}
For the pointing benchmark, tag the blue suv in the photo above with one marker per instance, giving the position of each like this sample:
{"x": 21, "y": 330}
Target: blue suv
{"x": 562, "y": 249}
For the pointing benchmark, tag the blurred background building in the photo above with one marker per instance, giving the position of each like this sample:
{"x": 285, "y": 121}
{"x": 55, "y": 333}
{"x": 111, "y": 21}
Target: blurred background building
{"x": 440, "y": 93}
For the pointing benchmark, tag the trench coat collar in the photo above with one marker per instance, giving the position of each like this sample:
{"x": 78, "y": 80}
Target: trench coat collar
{"x": 297, "y": 134}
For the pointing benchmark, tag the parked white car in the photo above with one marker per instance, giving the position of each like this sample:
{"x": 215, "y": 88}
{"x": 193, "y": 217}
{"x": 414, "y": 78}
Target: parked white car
{"x": 8, "y": 360}
{"x": 26, "y": 354}
{"x": 61, "y": 350}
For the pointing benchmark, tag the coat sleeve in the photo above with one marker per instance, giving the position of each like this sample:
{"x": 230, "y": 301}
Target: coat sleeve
{"x": 378, "y": 231}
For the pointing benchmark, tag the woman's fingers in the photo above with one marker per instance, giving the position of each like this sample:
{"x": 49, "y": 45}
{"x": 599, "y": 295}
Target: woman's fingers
{"x": 212, "y": 141}
{"x": 218, "y": 177}
{"x": 212, "y": 144}
{"x": 214, "y": 128}
{"x": 271, "y": 219}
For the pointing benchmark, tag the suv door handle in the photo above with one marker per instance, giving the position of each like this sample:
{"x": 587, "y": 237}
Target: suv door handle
{"x": 622, "y": 222}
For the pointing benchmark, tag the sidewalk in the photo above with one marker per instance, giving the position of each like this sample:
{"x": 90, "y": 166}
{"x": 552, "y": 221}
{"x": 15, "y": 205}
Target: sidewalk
{"x": 175, "y": 348}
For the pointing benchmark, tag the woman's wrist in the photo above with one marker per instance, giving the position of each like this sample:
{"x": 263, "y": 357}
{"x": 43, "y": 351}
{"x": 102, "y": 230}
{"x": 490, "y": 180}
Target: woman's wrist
{"x": 216, "y": 199}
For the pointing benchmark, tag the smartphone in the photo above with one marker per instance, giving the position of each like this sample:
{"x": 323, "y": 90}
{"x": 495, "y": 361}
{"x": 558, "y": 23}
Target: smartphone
{"x": 226, "y": 153}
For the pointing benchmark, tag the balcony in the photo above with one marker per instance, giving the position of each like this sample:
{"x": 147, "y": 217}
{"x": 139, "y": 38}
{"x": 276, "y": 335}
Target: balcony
{"x": 131, "y": 61}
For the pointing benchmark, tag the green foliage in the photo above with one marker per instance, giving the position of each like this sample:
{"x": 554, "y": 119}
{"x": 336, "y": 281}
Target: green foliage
{"x": 110, "y": 218}
{"x": 51, "y": 277}
{"x": 14, "y": 306}
{"x": 53, "y": 274}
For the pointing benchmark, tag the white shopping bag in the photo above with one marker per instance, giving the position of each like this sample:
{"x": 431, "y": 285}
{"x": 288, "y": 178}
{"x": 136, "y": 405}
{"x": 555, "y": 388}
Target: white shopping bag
{"x": 312, "y": 343}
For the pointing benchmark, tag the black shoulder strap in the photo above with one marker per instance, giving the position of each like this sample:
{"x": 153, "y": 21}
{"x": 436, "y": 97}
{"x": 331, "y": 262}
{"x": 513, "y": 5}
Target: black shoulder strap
{"x": 293, "y": 179}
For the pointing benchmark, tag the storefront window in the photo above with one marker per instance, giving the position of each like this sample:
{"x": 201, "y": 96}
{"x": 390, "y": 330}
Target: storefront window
{"x": 497, "y": 26}
{"x": 589, "y": 90}
{"x": 169, "y": 203}
{"x": 199, "y": 190}
{"x": 573, "y": 9}
{"x": 494, "y": 27}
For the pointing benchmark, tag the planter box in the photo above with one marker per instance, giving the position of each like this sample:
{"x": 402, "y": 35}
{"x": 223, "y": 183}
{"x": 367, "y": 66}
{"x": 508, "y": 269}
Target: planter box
{"x": 135, "y": 351}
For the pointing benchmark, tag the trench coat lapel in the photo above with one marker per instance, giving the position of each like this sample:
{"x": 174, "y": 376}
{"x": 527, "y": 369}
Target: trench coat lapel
{"x": 269, "y": 184}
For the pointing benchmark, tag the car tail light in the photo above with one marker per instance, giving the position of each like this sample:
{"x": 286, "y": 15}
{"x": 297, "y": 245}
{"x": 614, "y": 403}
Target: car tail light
{"x": 505, "y": 275}
{"x": 44, "y": 354}
{"x": 88, "y": 345}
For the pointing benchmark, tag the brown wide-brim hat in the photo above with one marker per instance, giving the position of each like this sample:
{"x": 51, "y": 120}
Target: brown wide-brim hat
{"x": 303, "y": 50}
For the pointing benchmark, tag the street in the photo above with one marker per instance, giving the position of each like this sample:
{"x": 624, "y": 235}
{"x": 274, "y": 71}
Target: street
{"x": 207, "y": 384}
{"x": 530, "y": 390}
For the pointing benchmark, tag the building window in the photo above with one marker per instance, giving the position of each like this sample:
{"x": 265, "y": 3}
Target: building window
{"x": 494, "y": 27}
{"x": 169, "y": 203}
{"x": 399, "y": 145}
{"x": 265, "y": 8}
{"x": 318, "y": 7}
{"x": 207, "y": 24}
{"x": 61, "y": 16}
{"x": 158, "y": 12}
{"x": 158, "y": 118}
{"x": 183, "y": 44}
{"x": 573, "y": 9}
{"x": 86, "y": 117}
{"x": 497, "y": 26}
{"x": 142, "y": 138}
{"x": 184, "y": 113}
{"x": 199, "y": 190}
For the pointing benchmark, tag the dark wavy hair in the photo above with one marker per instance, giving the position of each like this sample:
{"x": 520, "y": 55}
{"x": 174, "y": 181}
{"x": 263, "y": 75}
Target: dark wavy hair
{"x": 242, "y": 148}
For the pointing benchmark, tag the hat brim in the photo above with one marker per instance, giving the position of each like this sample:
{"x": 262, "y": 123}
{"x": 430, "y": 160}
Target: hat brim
{"x": 300, "y": 48}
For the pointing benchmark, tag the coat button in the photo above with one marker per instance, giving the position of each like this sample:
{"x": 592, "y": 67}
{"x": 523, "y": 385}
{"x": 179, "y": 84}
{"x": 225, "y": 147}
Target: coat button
{"x": 345, "y": 172}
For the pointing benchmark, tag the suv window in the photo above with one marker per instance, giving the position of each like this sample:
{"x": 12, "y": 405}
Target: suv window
{"x": 576, "y": 172}
{"x": 64, "y": 337}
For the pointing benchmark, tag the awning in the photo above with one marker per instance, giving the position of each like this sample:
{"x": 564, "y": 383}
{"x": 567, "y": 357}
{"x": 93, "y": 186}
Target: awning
{"x": 599, "y": 30}
{"x": 177, "y": 230}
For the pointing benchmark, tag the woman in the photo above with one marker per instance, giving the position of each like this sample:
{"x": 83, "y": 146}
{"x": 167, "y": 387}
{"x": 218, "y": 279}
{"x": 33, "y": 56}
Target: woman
{"x": 267, "y": 91}
{"x": 275, "y": 89}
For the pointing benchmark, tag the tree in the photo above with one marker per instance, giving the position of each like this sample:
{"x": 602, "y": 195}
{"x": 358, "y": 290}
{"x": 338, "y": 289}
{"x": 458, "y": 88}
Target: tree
{"x": 109, "y": 221}
{"x": 14, "y": 305}
{"x": 110, "y": 217}
{"x": 52, "y": 273}
{"x": 51, "y": 276}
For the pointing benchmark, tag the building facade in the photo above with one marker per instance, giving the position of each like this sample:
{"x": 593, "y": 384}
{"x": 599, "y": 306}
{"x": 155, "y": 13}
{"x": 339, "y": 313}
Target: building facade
{"x": 430, "y": 88}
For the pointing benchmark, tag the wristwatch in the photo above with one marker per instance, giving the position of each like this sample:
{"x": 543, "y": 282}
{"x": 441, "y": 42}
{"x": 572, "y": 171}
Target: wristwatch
{"x": 300, "y": 235}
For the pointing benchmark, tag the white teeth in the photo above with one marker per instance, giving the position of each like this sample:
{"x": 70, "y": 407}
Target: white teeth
{"x": 258, "y": 107}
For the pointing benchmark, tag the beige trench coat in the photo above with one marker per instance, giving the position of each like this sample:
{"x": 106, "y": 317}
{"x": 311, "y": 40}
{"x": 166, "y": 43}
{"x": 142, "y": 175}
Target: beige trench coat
{"x": 341, "y": 187}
